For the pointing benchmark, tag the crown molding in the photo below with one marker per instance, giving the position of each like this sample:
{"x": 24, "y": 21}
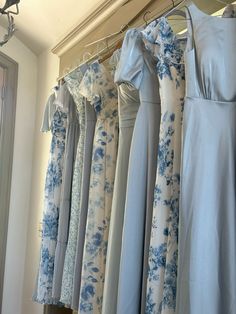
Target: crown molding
{"x": 101, "y": 12}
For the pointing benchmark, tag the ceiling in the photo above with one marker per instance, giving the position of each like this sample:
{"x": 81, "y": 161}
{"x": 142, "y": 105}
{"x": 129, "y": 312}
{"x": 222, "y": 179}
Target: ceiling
{"x": 42, "y": 23}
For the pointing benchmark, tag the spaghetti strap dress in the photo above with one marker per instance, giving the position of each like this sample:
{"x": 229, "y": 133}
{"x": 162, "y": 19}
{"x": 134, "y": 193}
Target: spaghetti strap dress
{"x": 207, "y": 235}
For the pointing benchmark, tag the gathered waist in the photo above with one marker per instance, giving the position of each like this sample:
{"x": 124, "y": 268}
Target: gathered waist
{"x": 126, "y": 123}
{"x": 202, "y": 100}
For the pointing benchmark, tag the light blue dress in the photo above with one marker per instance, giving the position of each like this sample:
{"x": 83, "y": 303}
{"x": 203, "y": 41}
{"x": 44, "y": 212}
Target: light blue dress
{"x": 128, "y": 105}
{"x": 98, "y": 87}
{"x": 163, "y": 252}
{"x": 55, "y": 120}
{"x": 73, "y": 80}
{"x": 72, "y": 136}
{"x": 207, "y": 234}
{"x": 90, "y": 122}
{"x": 137, "y": 68}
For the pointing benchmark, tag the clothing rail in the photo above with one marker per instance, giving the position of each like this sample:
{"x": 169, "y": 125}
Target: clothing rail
{"x": 113, "y": 45}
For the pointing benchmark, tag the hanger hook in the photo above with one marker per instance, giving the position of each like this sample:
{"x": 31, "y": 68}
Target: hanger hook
{"x": 223, "y": 2}
{"x": 123, "y": 28}
{"x": 85, "y": 55}
{"x": 173, "y": 3}
{"x": 107, "y": 45}
{"x": 145, "y": 17}
{"x": 100, "y": 47}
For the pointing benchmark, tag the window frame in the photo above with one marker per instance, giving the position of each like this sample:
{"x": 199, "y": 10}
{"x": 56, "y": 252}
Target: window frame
{"x": 7, "y": 130}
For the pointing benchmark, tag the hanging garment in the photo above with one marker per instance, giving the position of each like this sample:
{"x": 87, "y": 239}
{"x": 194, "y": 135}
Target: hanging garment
{"x": 56, "y": 121}
{"x": 98, "y": 87}
{"x": 90, "y": 118}
{"x": 137, "y": 67}
{"x": 207, "y": 234}
{"x": 72, "y": 136}
{"x": 128, "y": 104}
{"x": 230, "y": 11}
{"x": 163, "y": 252}
{"x": 73, "y": 80}
{"x": 113, "y": 61}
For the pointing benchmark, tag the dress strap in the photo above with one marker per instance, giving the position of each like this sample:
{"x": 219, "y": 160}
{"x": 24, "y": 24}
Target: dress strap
{"x": 189, "y": 15}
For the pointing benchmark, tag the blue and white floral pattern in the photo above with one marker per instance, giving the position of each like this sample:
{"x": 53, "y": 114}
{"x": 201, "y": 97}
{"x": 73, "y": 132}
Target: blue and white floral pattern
{"x": 160, "y": 40}
{"x": 43, "y": 293}
{"x": 168, "y": 51}
{"x": 98, "y": 87}
{"x": 230, "y": 11}
{"x": 73, "y": 80}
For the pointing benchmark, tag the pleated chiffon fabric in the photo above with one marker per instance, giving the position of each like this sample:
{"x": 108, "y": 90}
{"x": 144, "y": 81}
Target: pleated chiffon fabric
{"x": 128, "y": 105}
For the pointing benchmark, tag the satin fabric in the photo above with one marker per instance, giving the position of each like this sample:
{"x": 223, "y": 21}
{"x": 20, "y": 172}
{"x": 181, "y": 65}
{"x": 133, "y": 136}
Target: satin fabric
{"x": 207, "y": 235}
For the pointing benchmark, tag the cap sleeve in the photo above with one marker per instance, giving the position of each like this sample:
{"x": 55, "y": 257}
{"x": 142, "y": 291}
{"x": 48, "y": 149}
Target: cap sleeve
{"x": 150, "y": 38}
{"x": 161, "y": 41}
{"x": 130, "y": 67}
{"x": 114, "y": 60}
{"x": 62, "y": 99}
{"x": 48, "y": 114}
{"x": 89, "y": 86}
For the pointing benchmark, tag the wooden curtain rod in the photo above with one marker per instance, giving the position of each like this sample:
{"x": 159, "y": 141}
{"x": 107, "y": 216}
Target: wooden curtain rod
{"x": 114, "y": 46}
{"x": 118, "y": 42}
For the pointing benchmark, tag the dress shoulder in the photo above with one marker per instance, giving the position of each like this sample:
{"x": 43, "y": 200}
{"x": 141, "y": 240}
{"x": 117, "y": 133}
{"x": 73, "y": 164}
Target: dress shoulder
{"x": 49, "y": 111}
{"x": 130, "y": 67}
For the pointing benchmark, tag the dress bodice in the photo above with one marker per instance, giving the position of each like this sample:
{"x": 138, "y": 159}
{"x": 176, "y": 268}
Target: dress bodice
{"x": 168, "y": 52}
{"x": 98, "y": 87}
{"x": 137, "y": 68}
{"x": 128, "y": 97}
{"x": 210, "y": 73}
{"x": 72, "y": 81}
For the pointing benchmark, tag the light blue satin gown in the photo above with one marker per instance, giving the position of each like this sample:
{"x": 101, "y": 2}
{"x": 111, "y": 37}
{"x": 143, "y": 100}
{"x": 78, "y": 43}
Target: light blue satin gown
{"x": 207, "y": 235}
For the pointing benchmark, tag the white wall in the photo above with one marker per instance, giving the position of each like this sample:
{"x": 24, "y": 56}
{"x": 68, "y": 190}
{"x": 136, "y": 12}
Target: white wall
{"x": 21, "y": 174}
{"x": 37, "y": 75}
{"x": 48, "y": 68}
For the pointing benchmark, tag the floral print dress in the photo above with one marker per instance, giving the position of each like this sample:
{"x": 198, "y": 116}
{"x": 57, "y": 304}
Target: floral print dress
{"x": 57, "y": 125}
{"x": 162, "y": 273}
{"x": 98, "y": 87}
{"x": 73, "y": 80}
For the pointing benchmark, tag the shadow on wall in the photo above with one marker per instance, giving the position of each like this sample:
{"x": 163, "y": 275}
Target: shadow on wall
{"x": 51, "y": 309}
